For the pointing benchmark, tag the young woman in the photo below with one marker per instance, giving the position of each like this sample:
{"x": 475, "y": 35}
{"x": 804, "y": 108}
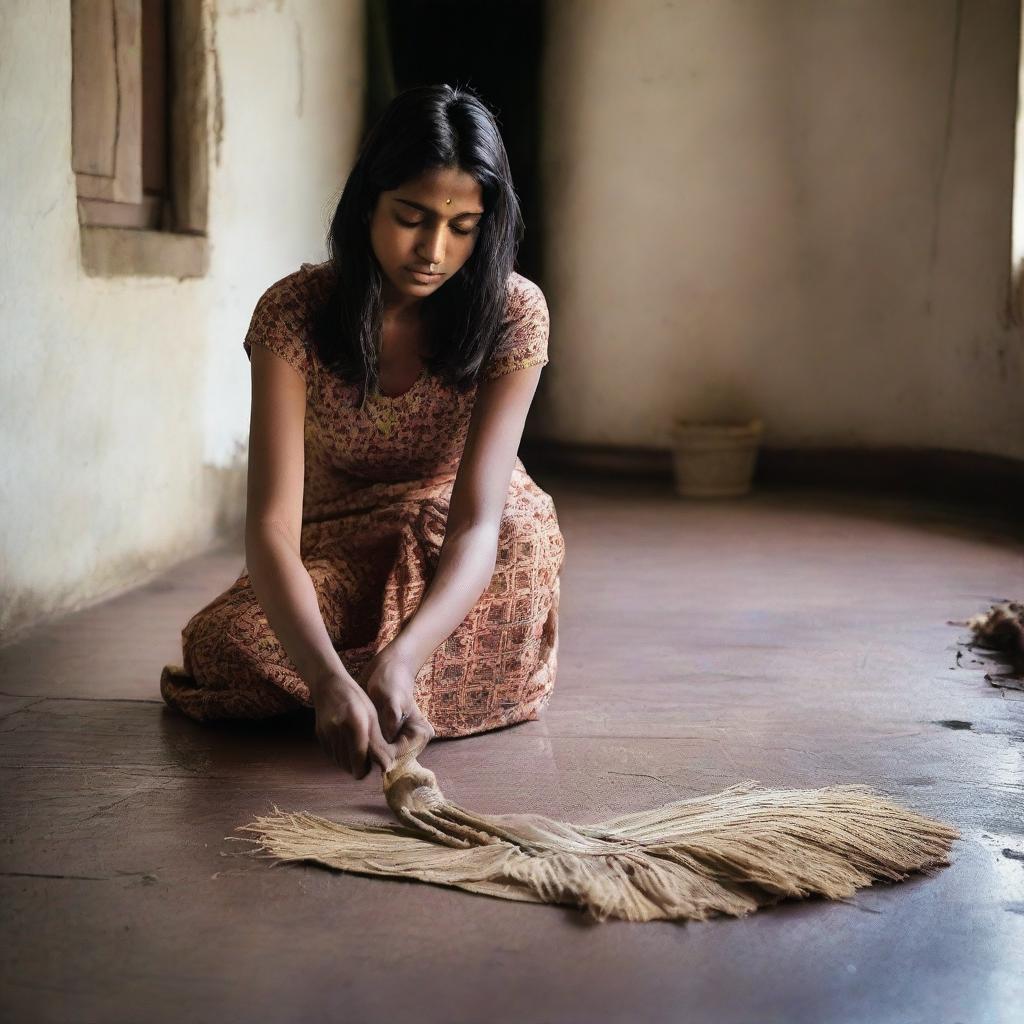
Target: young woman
{"x": 402, "y": 567}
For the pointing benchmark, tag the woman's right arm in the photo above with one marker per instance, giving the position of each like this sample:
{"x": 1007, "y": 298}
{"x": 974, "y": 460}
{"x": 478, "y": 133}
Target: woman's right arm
{"x": 347, "y": 722}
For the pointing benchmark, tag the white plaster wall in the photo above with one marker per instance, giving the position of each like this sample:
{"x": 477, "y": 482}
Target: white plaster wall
{"x": 794, "y": 208}
{"x": 124, "y": 402}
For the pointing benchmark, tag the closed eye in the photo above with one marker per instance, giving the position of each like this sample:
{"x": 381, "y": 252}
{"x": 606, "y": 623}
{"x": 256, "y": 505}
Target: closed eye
{"x": 417, "y": 223}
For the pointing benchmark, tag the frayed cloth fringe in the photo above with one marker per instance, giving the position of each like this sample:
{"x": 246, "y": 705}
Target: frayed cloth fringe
{"x": 728, "y": 853}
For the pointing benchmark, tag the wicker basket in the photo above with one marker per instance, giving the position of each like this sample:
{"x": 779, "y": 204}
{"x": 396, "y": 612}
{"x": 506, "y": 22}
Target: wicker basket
{"x": 714, "y": 460}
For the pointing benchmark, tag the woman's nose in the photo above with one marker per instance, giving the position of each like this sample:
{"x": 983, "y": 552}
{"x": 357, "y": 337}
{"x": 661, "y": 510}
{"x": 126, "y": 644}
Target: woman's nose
{"x": 432, "y": 249}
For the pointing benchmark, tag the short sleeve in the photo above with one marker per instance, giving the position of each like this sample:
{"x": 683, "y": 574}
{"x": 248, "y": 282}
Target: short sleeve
{"x": 523, "y": 337}
{"x": 280, "y": 322}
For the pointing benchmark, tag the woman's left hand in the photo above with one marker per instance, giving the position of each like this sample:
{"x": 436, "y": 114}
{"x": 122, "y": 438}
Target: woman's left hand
{"x": 389, "y": 683}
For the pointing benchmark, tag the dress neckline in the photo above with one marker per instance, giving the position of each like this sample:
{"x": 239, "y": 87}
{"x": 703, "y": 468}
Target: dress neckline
{"x": 378, "y": 394}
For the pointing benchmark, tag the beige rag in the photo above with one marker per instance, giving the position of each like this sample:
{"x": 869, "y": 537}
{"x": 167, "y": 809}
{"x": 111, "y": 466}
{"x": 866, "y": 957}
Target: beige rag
{"x": 729, "y": 853}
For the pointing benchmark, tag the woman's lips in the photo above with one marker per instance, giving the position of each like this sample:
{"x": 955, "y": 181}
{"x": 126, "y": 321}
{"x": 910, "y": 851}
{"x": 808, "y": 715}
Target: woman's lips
{"x": 422, "y": 276}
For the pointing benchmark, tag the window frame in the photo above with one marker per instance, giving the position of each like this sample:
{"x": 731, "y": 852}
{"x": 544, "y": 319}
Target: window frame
{"x": 107, "y": 141}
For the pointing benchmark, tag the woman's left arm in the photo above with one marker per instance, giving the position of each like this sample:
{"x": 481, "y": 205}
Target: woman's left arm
{"x": 469, "y": 550}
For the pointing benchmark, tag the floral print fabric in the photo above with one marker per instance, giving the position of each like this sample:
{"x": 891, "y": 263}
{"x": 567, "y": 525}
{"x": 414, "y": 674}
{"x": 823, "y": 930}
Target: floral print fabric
{"x": 376, "y": 490}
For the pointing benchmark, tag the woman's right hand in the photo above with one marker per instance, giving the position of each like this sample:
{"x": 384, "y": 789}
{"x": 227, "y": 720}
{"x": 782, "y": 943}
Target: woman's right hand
{"x": 348, "y": 727}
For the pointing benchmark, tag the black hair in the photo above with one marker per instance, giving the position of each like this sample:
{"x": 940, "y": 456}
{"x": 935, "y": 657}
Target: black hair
{"x": 427, "y": 127}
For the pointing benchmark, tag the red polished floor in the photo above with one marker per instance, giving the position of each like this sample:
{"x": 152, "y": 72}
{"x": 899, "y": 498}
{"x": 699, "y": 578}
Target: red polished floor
{"x": 795, "y": 638}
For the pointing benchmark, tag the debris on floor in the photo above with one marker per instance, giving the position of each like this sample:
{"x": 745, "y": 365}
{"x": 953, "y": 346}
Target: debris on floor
{"x": 1000, "y": 631}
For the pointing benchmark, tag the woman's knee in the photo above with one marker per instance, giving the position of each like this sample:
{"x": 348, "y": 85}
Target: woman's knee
{"x": 235, "y": 665}
{"x": 529, "y": 537}
{"x": 227, "y": 639}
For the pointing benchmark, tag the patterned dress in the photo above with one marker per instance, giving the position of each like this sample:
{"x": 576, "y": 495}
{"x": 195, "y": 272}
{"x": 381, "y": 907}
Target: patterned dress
{"x": 375, "y": 503}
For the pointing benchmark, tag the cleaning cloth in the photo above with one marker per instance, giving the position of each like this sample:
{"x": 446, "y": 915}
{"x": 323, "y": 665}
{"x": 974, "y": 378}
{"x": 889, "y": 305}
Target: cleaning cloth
{"x": 728, "y": 853}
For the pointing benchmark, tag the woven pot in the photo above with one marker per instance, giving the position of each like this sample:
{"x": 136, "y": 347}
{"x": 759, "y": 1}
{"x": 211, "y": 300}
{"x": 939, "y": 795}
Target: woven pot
{"x": 714, "y": 460}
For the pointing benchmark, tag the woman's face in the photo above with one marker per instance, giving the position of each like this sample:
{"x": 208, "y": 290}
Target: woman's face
{"x": 431, "y": 219}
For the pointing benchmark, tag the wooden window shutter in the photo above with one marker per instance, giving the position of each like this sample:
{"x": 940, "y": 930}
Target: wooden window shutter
{"x": 138, "y": 135}
{"x": 106, "y": 88}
